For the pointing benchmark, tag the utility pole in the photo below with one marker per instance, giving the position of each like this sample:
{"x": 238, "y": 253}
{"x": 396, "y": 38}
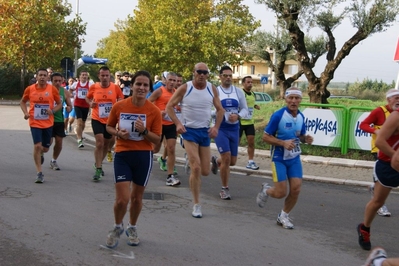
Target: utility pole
{"x": 76, "y": 48}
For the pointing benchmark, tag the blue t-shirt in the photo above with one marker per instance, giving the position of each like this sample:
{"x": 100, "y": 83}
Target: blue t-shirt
{"x": 284, "y": 126}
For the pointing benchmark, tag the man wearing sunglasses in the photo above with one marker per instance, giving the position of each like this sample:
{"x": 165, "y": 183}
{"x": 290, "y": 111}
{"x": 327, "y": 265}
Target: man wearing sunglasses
{"x": 197, "y": 98}
{"x": 235, "y": 106}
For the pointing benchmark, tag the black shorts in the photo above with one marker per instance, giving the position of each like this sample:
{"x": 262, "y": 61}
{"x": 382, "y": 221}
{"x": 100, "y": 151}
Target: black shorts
{"x": 248, "y": 129}
{"x": 100, "y": 128}
{"x": 133, "y": 166}
{"x": 386, "y": 175}
{"x": 59, "y": 129}
{"x": 81, "y": 112}
{"x": 169, "y": 131}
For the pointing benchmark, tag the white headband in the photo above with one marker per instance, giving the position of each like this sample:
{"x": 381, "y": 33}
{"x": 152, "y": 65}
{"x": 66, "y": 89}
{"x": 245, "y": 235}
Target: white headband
{"x": 292, "y": 92}
{"x": 394, "y": 93}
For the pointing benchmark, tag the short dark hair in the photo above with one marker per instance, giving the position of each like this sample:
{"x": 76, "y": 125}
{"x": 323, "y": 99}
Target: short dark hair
{"x": 145, "y": 74}
{"x": 125, "y": 74}
{"x": 105, "y": 68}
{"x": 56, "y": 74}
{"x": 223, "y": 68}
{"x": 244, "y": 78}
{"x": 179, "y": 75}
{"x": 41, "y": 69}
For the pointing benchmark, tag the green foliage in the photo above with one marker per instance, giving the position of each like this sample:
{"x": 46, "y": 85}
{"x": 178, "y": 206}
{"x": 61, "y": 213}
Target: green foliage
{"x": 375, "y": 86}
{"x": 10, "y": 81}
{"x": 176, "y": 34}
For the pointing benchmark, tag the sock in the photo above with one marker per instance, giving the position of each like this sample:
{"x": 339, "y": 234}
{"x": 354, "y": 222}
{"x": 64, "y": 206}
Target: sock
{"x": 131, "y": 226}
{"x": 118, "y": 225}
{"x": 363, "y": 227}
{"x": 225, "y": 187}
{"x": 284, "y": 214}
{"x": 250, "y": 161}
{"x": 53, "y": 160}
{"x": 378, "y": 262}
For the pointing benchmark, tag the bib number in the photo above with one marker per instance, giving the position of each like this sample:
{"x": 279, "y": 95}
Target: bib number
{"x": 127, "y": 121}
{"x": 104, "y": 109}
{"x": 228, "y": 112}
{"x": 291, "y": 154}
{"x": 40, "y": 111}
{"x": 82, "y": 93}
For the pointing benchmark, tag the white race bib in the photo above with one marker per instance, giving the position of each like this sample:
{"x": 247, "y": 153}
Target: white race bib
{"x": 40, "y": 111}
{"x": 82, "y": 93}
{"x": 127, "y": 121}
{"x": 228, "y": 112}
{"x": 104, "y": 109}
{"x": 250, "y": 113}
{"x": 126, "y": 91}
{"x": 291, "y": 154}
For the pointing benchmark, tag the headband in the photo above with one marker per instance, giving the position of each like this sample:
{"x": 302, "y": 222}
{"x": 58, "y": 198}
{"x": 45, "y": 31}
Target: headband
{"x": 291, "y": 92}
{"x": 394, "y": 93}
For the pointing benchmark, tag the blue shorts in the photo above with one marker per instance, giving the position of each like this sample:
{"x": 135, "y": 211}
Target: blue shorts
{"x": 133, "y": 166}
{"x": 227, "y": 141}
{"x": 385, "y": 174}
{"x": 198, "y": 135}
{"x": 70, "y": 114}
{"x": 42, "y": 135}
{"x": 281, "y": 170}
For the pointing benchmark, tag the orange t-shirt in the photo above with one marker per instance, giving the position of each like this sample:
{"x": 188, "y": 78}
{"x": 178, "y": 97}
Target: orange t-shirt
{"x": 124, "y": 113}
{"x": 162, "y": 101}
{"x": 105, "y": 99}
{"x": 41, "y": 99}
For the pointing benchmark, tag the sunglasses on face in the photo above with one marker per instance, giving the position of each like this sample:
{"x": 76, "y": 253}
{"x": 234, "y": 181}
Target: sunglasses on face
{"x": 227, "y": 75}
{"x": 202, "y": 72}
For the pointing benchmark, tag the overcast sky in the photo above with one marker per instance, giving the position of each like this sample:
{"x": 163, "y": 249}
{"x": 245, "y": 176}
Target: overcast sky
{"x": 372, "y": 58}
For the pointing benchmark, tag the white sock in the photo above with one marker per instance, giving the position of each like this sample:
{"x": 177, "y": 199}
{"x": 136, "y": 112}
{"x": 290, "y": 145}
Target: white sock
{"x": 378, "y": 262}
{"x": 119, "y": 225}
{"x": 284, "y": 214}
{"x": 53, "y": 160}
{"x": 132, "y": 226}
{"x": 250, "y": 161}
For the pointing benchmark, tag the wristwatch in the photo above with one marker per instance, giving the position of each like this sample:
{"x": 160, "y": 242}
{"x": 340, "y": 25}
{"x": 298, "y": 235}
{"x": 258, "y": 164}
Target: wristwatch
{"x": 145, "y": 132}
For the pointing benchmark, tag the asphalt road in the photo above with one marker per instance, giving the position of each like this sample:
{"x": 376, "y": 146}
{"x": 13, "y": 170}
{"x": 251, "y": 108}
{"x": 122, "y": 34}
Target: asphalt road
{"x": 65, "y": 220}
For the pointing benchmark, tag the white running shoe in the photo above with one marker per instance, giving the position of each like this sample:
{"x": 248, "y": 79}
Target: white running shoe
{"x": 225, "y": 194}
{"x": 376, "y": 253}
{"x": 197, "y": 211}
{"x": 133, "y": 239}
{"x": 113, "y": 237}
{"x": 262, "y": 195}
{"x": 172, "y": 181}
{"x": 285, "y": 222}
{"x": 383, "y": 211}
{"x": 252, "y": 166}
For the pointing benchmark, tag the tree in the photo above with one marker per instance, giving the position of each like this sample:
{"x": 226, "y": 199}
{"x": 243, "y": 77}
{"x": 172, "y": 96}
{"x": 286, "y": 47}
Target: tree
{"x": 176, "y": 34}
{"x": 36, "y": 34}
{"x": 367, "y": 16}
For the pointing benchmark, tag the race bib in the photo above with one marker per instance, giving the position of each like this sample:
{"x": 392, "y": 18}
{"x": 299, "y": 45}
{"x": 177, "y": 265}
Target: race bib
{"x": 228, "y": 112}
{"x": 82, "y": 93}
{"x": 104, "y": 109}
{"x": 291, "y": 154}
{"x": 40, "y": 111}
{"x": 126, "y": 91}
{"x": 250, "y": 113}
{"x": 127, "y": 121}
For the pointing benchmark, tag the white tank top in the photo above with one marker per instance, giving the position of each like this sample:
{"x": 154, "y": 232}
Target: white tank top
{"x": 196, "y": 106}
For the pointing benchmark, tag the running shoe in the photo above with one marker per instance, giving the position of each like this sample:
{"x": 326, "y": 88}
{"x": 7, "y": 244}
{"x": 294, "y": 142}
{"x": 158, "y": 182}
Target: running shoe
{"x": 252, "y": 166}
{"x": 285, "y": 222}
{"x": 95, "y": 168}
{"x": 109, "y": 156}
{"x": 383, "y": 211}
{"x": 375, "y": 254}
{"x": 133, "y": 239}
{"x": 80, "y": 144}
{"x": 162, "y": 164}
{"x": 225, "y": 194}
{"x": 262, "y": 195}
{"x": 97, "y": 175}
{"x": 66, "y": 132}
{"x": 113, "y": 237}
{"x": 172, "y": 181}
{"x": 197, "y": 211}
{"x": 215, "y": 166}
{"x": 54, "y": 165}
{"x": 187, "y": 169}
{"x": 39, "y": 178}
{"x": 364, "y": 238}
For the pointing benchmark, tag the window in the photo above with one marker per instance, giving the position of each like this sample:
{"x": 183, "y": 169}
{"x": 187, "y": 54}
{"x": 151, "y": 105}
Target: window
{"x": 252, "y": 70}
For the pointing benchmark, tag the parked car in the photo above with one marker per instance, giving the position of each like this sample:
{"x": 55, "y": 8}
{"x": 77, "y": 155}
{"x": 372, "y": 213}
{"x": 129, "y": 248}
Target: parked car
{"x": 262, "y": 97}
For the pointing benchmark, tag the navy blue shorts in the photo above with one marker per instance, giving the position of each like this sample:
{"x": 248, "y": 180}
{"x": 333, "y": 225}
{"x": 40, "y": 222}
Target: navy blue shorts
{"x": 227, "y": 141}
{"x": 386, "y": 175}
{"x": 133, "y": 166}
{"x": 42, "y": 135}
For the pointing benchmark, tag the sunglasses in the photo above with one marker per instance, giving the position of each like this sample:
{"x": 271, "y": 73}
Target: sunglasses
{"x": 202, "y": 72}
{"x": 227, "y": 75}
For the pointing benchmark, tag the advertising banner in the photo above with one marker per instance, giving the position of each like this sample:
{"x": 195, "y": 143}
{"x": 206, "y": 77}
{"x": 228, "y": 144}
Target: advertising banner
{"x": 358, "y": 139}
